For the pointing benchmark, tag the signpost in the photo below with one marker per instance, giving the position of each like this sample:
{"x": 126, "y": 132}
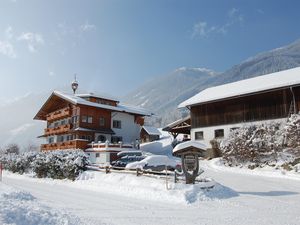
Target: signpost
{"x": 190, "y": 152}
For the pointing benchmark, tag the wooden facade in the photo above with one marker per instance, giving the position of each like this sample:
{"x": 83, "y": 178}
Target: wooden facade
{"x": 271, "y": 104}
{"x": 74, "y": 126}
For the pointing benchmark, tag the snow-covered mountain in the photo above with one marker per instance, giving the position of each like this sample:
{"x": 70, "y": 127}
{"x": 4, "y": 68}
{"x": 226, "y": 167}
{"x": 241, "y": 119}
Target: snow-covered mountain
{"x": 16, "y": 120}
{"x": 278, "y": 59}
{"x": 162, "y": 95}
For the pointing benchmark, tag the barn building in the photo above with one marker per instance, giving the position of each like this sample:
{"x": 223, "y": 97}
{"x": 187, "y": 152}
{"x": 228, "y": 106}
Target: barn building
{"x": 218, "y": 110}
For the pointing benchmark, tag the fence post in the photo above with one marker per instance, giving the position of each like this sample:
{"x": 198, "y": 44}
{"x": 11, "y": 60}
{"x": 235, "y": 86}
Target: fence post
{"x": 166, "y": 168}
{"x": 1, "y": 171}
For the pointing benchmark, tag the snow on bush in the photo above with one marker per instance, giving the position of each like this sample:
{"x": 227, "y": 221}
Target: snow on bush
{"x": 56, "y": 164}
{"x": 264, "y": 144}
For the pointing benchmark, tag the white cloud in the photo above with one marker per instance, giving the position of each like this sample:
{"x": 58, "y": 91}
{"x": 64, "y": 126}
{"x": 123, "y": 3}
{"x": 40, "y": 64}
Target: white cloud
{"x": 32, "y": 40}
{"x": 202, "y": 29}
{"x": 7, "y": 49}
{"x": 87, "y": 27}
{"x": 9, "y": 32}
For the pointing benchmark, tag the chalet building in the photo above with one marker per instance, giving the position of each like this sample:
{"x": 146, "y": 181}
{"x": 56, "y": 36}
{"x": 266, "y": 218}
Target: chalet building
{"x": 96, "y": 124}
{"x": 149, "y": 134}
{"x": 218, "y": 110}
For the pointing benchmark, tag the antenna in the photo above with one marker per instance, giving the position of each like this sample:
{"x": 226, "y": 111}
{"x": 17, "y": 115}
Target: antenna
{"x": 74, "y": 84}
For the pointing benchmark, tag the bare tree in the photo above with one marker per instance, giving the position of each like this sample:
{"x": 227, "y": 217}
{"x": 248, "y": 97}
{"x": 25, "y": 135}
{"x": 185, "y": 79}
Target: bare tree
{"x": 13, "y": 148}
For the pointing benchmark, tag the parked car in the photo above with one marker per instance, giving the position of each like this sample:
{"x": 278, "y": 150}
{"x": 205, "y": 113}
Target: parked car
{"x": 156, "y": 163}
{"x": 127, "y": 157}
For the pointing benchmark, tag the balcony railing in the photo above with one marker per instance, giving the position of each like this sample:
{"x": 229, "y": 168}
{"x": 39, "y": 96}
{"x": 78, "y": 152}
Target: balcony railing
{"x": 59, "y": 114}
{"x": 109, "y": 145}
{"x": 58, "y": 130}
{"x": 73, "y": 144}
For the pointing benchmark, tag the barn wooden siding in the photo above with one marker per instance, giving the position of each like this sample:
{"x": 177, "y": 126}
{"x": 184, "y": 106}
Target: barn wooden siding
{"x": 260, "y": 106}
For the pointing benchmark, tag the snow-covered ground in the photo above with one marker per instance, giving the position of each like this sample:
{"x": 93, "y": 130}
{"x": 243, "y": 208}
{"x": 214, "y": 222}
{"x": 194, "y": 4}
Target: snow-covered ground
{"x": 98, "y": 198}
{"x": 20, "y": 207}
{"x": 160, "y": 147}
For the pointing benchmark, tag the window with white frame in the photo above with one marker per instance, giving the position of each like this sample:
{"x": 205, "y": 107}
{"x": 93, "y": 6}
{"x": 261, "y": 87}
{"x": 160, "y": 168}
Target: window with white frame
{"x": 219, "y": 133}
{"x": 117, "y": 124}
{"x": 199, "y": 135}
{"x": 86, "y": 119}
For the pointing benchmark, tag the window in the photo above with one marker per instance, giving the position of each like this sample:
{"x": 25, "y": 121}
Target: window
{"x": 116, "y": 139}
{"x": 70, "y": 137}
{"x": 102, "y": 121}
{"x": 199, "y": 135}
{"x": 234, "y": 128}
{"x": 85, "y": 137}
{"x": 51, "y": 140}
{"x": 75, "y": 119}
{"x": 97, "y": 155}
{"x": 219, "y": 133}
{"x": 60, "y": 138}
{"x": 84, "y": 119}
{"x": 117, "y": 124}
{"x": 87, "y": 119}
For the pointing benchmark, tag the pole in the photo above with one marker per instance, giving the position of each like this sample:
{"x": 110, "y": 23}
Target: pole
{"x": 1, "y": 171}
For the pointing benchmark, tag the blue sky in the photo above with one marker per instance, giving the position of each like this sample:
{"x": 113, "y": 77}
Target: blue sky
{"x": 116, "y": 45}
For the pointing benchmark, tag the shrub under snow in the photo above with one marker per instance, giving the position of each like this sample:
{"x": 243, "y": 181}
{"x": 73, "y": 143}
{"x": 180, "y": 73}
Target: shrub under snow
{"x": 56, "y": 164}
{"x": 264, "y": 144}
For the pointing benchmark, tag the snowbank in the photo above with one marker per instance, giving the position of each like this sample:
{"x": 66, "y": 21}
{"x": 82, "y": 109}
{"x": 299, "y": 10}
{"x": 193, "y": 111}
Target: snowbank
{"x": 152, "y": 189}
{"x": 160, "y": 147}
{"x": 142, "y": 187}
{"x": 267, "y": 171}
{"x": 21, "y": 208}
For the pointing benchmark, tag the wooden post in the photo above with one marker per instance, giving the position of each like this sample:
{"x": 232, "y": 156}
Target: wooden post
{"x": 1, "y": 168}
{"x": 166, "y": 177}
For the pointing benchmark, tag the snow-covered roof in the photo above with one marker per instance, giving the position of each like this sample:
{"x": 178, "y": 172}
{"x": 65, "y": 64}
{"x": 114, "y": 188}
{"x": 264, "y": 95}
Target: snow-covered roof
{"x": 119, "y": 108}
{"x": 102, "y": 95}
{"x": 175, "y": 123}
{"x": 271, "y": 81}
{"x": 102, "y": 130}
{"x": 151, "y": 130}
{"x": 188, "y": 144}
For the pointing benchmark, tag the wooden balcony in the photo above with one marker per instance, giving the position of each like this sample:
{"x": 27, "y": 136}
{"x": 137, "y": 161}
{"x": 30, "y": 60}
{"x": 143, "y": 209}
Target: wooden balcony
{"x": 74, "y": 144}
{"x": 58, "y": 130}
{"x": 59, "y": 114}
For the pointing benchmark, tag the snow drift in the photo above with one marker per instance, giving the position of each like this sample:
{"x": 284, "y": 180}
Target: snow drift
{"x": 19, "y": 207}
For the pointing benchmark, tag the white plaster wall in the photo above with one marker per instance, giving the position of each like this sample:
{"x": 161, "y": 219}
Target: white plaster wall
{"x": 130, "y": 131}
{"x": 209, "y": 132}
{"x": 104, "y": 157}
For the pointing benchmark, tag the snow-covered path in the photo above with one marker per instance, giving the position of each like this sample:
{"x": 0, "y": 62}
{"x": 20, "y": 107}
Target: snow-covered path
{"x": 261, "y": 200}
